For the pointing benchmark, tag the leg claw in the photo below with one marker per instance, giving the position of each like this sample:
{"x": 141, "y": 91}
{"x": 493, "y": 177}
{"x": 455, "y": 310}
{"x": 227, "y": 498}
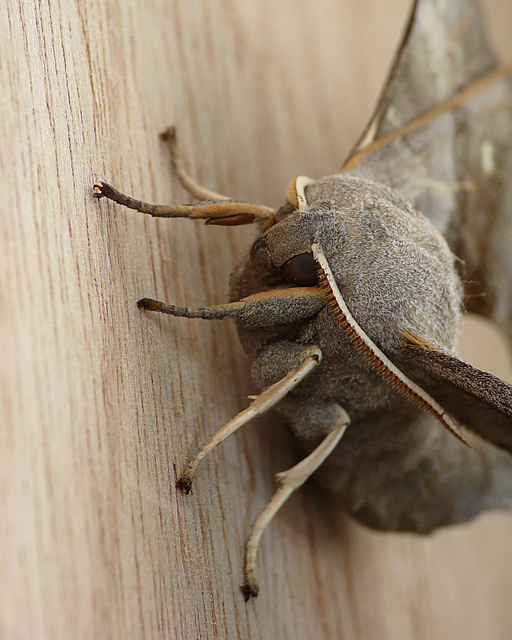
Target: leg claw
{"x": 99, "y": 190}
{"x": 169, "y": 134}
{"x": 184, "y": 484}
{"x": 249, "y": 590}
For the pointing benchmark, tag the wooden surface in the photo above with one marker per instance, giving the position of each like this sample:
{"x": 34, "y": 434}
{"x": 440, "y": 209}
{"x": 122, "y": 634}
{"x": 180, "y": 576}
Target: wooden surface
{"x": 101, "y": 403}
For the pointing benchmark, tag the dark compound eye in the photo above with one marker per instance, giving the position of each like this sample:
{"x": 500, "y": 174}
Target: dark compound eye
{"x": 301, "y": 269}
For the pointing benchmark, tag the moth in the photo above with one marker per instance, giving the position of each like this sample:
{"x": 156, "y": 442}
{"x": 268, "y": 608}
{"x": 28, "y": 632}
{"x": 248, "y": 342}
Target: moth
{"x": 349, "y": 300}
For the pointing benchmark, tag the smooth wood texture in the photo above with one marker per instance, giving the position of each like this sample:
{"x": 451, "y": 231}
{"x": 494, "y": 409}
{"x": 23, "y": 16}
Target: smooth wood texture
{"x": 102, "y": 403}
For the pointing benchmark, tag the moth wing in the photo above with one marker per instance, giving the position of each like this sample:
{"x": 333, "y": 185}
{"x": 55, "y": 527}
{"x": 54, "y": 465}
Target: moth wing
{"x": 456, "y": 165}
{"x": 478, "y": 400}
{"x": 443, "y": 49}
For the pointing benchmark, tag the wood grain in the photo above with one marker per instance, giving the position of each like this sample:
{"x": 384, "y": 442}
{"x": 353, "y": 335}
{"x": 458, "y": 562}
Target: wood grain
{"x": 101, "y": 403}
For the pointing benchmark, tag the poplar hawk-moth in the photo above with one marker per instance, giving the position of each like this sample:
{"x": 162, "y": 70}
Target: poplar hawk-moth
{"x": 350, "y": 298}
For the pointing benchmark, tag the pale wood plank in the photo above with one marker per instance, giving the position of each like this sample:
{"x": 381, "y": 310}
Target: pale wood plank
{"x": 99, "y": 402}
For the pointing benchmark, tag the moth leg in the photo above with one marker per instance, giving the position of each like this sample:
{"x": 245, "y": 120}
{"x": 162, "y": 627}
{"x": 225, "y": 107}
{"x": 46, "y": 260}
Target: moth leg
{"x": 262, "y": 403}
{"x": 214, "y": 208}
{"x": 290, "y": 481}
{"x": 263, "y": 309}
{"x": 196, "y": 190}
{"x": 223, "y": 212}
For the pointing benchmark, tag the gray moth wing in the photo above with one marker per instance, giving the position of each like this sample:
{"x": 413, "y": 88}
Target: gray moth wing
{"x": 477, "y": 399}
{"x": 456, "y": 165}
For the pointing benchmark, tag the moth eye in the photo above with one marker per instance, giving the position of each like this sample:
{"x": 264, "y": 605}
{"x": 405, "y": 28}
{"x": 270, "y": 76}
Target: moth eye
{"x": 301, "y": 269}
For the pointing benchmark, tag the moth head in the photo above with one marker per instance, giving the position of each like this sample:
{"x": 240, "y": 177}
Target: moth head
{"x": 393, "y": 268}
